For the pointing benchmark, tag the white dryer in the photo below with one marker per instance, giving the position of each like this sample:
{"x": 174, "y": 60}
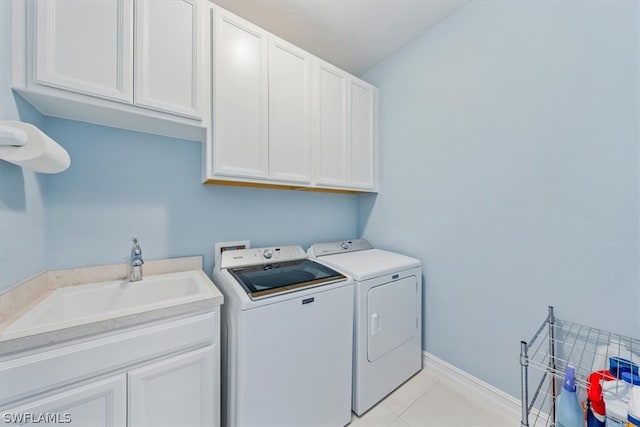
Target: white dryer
{"x": 387, "y": 316}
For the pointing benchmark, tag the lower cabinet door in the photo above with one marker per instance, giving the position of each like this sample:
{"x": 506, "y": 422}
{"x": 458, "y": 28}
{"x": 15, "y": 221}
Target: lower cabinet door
{"x": 174, "y": 392}
{"x": 101, "y": 403}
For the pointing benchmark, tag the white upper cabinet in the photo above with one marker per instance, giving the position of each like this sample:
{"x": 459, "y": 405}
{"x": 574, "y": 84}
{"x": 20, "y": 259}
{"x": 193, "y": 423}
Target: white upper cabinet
{"x": 363, "y": 134}
{"x": 240, "y": 103}
{"x": 168, "y": 56}
{"x": 86, "y": 47}
{"x": 283, "y": 117}
{"x": 290, "y": 130}
{"x": 346, "y": 130}
{"x": 262, "y": 128}
{"x": 332, "y": 155}
{"x": 133, "y": 64}
{"x": 269, "y": 113}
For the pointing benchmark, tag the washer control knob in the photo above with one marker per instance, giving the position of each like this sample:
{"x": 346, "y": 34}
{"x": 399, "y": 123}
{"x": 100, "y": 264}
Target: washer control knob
{"x": 344, "y": 245}
{"x": 267, "y": 253}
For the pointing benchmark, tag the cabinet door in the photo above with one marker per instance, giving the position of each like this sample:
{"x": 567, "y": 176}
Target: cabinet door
{"x": 102, "y": 403}
{"x": 240, "y": 116}
{"x": 289, "y": 112}
{"x": 86, "y": 47}
{"x": 168, "y": 56}
{"x": 175, "y": 392}
{"x": 331, "y": 142}
{"x": 362, "y": 135}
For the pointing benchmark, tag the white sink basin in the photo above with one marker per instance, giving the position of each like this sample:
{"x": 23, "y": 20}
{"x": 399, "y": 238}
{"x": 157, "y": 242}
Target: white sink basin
{"x": 78, "y": 305}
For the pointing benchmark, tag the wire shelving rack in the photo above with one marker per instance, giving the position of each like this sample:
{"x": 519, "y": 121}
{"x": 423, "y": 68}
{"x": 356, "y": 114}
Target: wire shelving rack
{"x": 556, "y": 344}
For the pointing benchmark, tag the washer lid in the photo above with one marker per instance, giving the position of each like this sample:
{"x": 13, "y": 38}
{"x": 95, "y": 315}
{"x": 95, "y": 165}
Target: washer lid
{"x": 363, "y": 265}
{"x": 262, "y": 281}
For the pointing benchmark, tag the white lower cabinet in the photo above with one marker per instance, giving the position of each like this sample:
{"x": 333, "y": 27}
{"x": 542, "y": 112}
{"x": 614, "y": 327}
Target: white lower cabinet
{"x": 100, "y": 403}
{"x": 164, "y": 374}
{"x": 174, "y": 392}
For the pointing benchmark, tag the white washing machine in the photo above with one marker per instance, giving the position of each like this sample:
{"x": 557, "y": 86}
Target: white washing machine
{"x": 287, "y": 334}
{"x": 387, "y": 316}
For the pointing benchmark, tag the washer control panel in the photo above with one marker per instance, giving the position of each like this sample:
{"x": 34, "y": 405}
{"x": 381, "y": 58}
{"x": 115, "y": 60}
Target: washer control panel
{"x": 339, "y": 247}
{"x": 257, "y": 256}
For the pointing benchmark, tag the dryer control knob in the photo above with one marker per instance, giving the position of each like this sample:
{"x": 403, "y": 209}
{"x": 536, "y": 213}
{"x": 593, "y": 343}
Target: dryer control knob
{"x": 344, "y": 245}
{"x": 267, "y": 253}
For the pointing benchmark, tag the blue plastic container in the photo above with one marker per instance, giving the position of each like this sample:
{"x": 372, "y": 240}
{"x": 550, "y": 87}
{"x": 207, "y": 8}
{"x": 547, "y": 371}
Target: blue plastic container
{"x": 619, "y": 365}
{"x": 630, "y": 378}
{"x": 568, "y": 410}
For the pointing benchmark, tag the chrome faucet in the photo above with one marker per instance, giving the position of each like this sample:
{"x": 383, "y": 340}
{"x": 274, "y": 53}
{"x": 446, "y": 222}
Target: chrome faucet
{"x": 136, "y": 262}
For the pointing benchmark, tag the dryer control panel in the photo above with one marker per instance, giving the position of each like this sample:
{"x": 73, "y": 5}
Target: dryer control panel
{"x": 339, "y": 247}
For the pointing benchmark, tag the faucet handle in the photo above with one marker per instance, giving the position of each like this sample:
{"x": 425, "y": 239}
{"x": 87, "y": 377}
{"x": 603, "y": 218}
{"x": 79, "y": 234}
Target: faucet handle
{"x": 136, "y": 262}
{"x": 136, "y": 250}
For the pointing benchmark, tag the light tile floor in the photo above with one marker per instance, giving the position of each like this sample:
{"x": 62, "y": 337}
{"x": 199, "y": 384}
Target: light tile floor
{"x": 430, "y": 399}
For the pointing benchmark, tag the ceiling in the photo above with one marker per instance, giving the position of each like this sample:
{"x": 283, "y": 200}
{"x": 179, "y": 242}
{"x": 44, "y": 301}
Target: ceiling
{"x": 351, "y": 34}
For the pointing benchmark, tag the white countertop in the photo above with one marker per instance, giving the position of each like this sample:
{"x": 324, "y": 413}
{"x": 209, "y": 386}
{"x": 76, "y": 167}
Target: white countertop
{"x": 83, "y": 309}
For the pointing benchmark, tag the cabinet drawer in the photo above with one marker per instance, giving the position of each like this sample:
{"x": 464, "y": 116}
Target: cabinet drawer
{"x": 27, "y": 376}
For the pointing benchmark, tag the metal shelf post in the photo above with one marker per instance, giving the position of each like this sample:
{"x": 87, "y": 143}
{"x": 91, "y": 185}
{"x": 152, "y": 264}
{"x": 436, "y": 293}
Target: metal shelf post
{"x": 524, "y": 384}
{"x": 552, "y": 364}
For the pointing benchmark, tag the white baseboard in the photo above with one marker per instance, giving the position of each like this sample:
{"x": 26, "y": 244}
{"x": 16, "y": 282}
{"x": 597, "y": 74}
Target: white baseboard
{"x": 474, "y": 385}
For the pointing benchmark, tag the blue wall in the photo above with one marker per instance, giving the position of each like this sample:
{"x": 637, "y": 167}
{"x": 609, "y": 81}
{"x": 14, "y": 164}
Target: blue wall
{"x": 22, "y": 211}
{"x": 123, "y": 184}
{"x": 509, "y": 165}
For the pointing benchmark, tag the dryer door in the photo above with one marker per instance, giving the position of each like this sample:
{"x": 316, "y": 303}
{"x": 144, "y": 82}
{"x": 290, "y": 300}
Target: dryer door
{"x": 392, "y": 310}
